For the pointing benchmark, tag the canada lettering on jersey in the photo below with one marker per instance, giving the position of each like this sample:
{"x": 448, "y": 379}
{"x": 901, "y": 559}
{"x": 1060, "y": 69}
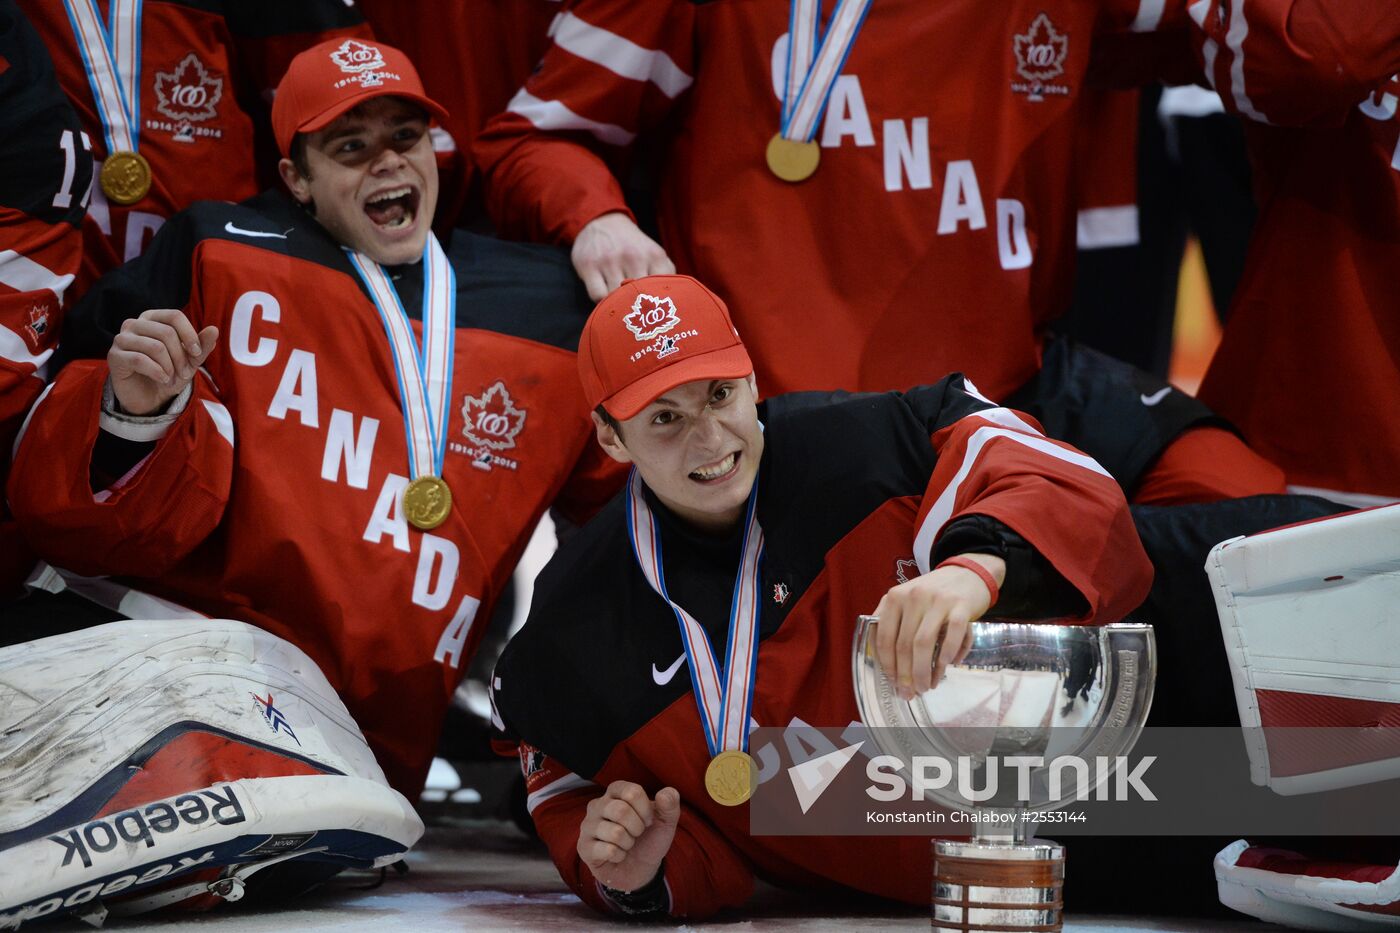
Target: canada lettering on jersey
{"x": 905, "y": 151}
{"x": 350, "y": 440}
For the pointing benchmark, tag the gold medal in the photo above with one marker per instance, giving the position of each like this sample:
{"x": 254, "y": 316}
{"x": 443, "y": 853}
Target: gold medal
{"x": 126, "y": 177}
{"x": 791, "y": 160}
{"x": 730, "y": 778}
{"x": 427, "y": 501}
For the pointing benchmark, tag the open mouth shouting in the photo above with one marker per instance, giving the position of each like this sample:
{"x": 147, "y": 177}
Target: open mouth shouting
{"x": 717, "y": 472}
{"x": 393, "y": 209}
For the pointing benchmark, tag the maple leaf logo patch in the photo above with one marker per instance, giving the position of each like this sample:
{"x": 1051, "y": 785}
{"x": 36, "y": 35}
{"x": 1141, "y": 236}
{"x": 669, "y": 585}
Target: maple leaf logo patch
{"x": 1040, "y": 51}
{"x": 38, "y": 325}
{"x": 492, "y": 420}
{"x": 188, "y": 94}
{"x": 354, "y": 57}
{"x": 651, "y": 317}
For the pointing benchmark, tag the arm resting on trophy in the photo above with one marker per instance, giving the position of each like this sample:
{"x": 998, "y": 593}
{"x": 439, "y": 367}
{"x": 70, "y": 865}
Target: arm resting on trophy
{"x": 1033, "y": 588}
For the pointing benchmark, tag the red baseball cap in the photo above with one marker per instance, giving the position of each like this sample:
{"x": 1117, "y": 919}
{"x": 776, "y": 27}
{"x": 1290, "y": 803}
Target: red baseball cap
{"x": 651, "y": 335}
{"x": 328, "y": 79}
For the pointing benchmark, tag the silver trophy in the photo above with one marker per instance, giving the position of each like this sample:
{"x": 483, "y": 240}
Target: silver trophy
{"x": 1058, "y": 693}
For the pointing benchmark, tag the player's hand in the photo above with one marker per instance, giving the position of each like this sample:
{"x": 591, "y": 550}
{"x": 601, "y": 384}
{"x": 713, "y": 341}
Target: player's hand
{"x": 611, "y": 248}
{"x": 932, "y": 612}
{"x": 626, "y": 834}
{"x": 154, "y": 357}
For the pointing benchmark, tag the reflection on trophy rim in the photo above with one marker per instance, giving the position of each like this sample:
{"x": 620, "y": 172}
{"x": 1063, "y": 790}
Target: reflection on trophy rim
{"x": 1043, "y": 690}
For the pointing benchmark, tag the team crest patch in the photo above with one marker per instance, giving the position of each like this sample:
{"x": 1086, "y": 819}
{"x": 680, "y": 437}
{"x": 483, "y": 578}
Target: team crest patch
{"x": 365, "y": 62}
{"x": 1040, "y": 58}
{"x": 490, "y": 422}
{"x": 781, "y": 593}
{"x": 38, "y": 325}
{"x": 531, "y": 760}
{"x": 654, "y": 319}
{"x": 273, "y": 716}
{"x": 651, "y": 316}
{"x": 186, "y": 96}
{"x": 906, "y": 569}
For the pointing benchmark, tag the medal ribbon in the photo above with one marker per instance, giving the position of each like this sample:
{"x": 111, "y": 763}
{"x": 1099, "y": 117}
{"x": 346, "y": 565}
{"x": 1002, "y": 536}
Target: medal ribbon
{"x": 425, "y": 378}
{"x": 811, "y": 74}
{"x": 725, "y": 706}
{"x": 112, "y": 59}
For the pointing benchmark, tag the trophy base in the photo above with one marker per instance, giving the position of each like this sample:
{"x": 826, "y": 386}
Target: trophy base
{"x": 981, "y": 887}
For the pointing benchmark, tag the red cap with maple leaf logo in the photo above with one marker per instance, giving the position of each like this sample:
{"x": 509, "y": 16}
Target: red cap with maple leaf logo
{"x": 328, "y": 79}
{"x": 651, "y": 335}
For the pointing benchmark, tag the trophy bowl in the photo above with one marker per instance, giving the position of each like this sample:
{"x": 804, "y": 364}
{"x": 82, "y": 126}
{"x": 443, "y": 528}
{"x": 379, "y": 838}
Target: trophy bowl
{"x": 1058, "y": 693}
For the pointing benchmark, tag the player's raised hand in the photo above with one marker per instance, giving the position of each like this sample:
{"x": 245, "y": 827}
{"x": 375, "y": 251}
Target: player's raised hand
{"x": 611, "y": 248}
{"x": 154, "y": 357}
{"x": 625, "y": 834}
{"x": 932, "y": 612}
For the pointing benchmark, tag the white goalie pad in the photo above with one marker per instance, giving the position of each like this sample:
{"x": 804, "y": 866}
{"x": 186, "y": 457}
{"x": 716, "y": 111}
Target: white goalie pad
{"x": 139, "y": 751}
{"x": 1311, "y": 621}
{"x": 1292, "y": 891}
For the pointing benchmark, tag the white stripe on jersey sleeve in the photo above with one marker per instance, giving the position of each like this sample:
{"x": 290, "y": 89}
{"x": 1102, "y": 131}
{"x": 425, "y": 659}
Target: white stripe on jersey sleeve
{"x": 943, "y": 508}
{"x": 556, "y": 787}
{"x": 1149, "y": 15}
{"x": 221, "y": 418}
{"x": 25, "y": 275}
{"x": 24, "y": 426}
{"x": 619, "y": 55}
{"x": 14, "y": 349}
{"x": 1239, "y": 28}
{"x": 1104, "y": 227}
{"x": 552, "y": 115}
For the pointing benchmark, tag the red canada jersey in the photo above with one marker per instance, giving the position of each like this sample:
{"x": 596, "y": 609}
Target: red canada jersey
{"x": 938, "y": 231}
{"x": 275, "y": 496}
{"x": 207, "y": 73}
{"x": 45, "y": 169}
{"x": 1310, "y": 358}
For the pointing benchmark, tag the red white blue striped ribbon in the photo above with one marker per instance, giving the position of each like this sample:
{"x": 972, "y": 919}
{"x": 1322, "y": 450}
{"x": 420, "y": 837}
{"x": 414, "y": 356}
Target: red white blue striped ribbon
{"x": 725, "y": 706}
{"x": 810, "y": 76}
{"x": 111, "y": 56}
{"x": 425, "y": 380}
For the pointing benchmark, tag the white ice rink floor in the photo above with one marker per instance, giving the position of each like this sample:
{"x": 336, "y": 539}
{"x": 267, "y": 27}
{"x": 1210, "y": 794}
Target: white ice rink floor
{"x": 488, "y": 876}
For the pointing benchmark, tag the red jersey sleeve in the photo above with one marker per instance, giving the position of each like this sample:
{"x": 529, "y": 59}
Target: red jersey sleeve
{"x": 145, "y": 521}
{"x": 704, "y": 873}
{"x": 1297, "y": 62}
{"x": 614, "y": 69}
{"x": 996, "y": 462}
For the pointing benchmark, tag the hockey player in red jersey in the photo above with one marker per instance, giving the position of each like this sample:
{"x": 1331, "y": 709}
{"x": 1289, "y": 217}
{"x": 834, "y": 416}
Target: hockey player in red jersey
{"x": 297, "y": 424}
{"x": 44, "y": 173}
{"x": 1311, "y": 355}
{"x": 808, "y": 510}
{"x": 171, "y": 94}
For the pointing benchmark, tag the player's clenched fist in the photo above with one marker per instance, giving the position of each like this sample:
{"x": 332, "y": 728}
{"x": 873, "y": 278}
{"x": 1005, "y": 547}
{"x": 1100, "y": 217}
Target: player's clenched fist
{"x": 625, "y": 834}
{"x": 154, "y": 357}
{"x": 931, "y": 613}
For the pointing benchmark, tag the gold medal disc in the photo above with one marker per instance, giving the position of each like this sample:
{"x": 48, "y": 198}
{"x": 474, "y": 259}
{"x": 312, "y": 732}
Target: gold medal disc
{"x": 730, "y": 778}
{"x": 427, "y": 501}
{"x": 791, "y": 160}
{"x": 126, "y": 177}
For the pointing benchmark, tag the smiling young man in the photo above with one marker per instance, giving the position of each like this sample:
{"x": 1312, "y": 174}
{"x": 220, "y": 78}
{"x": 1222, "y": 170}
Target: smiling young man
{"x": 295, "y": 415}
{"x": 722, "y": 590}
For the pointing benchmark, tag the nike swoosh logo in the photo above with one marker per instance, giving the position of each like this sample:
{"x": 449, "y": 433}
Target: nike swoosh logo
{"x": 663, "y": 678}
{"x": 1155, "y": 397}
{"x": 241, "y": 232}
